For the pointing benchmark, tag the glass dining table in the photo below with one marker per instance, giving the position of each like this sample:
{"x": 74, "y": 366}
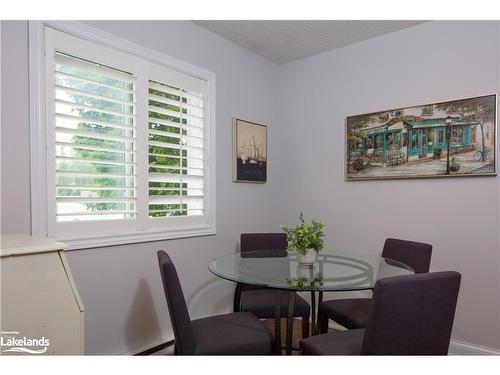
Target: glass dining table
{"x": 332, "y": 272}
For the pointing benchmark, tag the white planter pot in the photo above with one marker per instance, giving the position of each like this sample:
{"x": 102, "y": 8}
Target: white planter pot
{"x": 306, "y": 271}
{"x": 307, "y": 258}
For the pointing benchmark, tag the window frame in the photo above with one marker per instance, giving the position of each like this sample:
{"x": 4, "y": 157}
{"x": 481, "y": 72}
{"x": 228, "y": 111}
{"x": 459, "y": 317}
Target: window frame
{"x": 42, "y": 210}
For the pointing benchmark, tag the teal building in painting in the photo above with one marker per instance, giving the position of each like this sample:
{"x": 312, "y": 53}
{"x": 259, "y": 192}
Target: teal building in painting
{"x": 427, "y": 138}
{"x": 405, "y": 140}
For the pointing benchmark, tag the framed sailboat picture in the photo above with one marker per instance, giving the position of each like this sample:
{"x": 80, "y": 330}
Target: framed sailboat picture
{"x": 249, "y": 152}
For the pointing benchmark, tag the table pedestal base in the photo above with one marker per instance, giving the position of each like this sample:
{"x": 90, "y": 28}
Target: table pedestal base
{"x": 289, "y": 319}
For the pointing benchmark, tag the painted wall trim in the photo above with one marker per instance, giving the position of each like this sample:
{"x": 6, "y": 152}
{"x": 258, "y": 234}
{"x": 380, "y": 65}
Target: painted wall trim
{"x": 464, "y": 348}
{"x": 126, "y": 239}
{"x": 149, "y": 346}
{"x": 457, "y": 347}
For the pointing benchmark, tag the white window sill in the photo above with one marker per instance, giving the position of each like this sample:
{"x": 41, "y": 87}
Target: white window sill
{"x": 79, "y": 243}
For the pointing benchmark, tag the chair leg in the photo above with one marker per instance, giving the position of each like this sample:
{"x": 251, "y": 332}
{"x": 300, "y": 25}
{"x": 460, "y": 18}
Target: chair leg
{"x": 277, "y": 324}
{"x": 323, "y": 323}
{"x": 305, "y": 327}
{"x": 237, "y": 298}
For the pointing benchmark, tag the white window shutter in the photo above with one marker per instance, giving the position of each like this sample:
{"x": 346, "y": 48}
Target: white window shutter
{"x": 127, "y": 135}
{"x": 95, "y": 141}
{"x": 175, "y": 151}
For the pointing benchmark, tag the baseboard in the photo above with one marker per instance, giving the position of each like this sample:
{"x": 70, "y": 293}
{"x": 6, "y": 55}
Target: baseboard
{"x": 464, "y": 348}
{"x": 146, "y": 348}
{"x": 457, "y": 347}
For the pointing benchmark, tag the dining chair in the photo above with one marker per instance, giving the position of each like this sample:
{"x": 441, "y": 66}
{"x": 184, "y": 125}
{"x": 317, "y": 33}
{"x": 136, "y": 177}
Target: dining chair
{"x": 352, "y": 313}
{"x": 409, "y": 315}
{"x": 235, "y": 333}
{"x": 262, "y": 301}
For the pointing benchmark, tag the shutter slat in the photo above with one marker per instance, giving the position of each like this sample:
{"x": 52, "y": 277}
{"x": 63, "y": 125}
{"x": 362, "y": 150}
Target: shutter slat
{"x": 93, "y": 95}
{"x": 91, "y": 81}
{"x": 173, "y": 124}
{"x": 174, "y": 156}
{"x": 166, "y": 166}
{"x": 191, "y": 211}
{"x": 162, "y": 99}
{"x": 170, "y": 90}
{"x": 171, "y": 113}
{"x": 93, "y": 187}
{"x": 173, "y": 135}
{"x": 165, "y": 177}
{"x": 172, "y": 145}
{"x": 172, "y": 199}
{"x": 96, "y": 135}
{"x": 95, "y": 161}
{"x": 94, "y": 148}
{"x": 91, "y": 67}
{"x": 96, "y": 175}
{"x": 93, "y": 199}
{"x": 93, "y": 109}
{"x": 96, "y": 213}
{"x": 86, "y": 120}
{"x": 177, "y": 168}
{"x": 176, "y": 189}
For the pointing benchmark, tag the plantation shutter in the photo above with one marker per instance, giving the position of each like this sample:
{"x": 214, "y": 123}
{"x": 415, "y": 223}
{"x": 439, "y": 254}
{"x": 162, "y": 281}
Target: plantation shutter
{"x": 175, "y": 150}
{"x": 95, "y": 141}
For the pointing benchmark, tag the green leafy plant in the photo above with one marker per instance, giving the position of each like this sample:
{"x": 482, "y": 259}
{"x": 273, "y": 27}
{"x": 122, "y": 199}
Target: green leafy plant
{"x": 304, "y": 236}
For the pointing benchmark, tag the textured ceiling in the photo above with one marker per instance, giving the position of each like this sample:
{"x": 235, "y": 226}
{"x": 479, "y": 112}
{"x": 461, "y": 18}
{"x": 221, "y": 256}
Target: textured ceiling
{"x": 285, "y": 41}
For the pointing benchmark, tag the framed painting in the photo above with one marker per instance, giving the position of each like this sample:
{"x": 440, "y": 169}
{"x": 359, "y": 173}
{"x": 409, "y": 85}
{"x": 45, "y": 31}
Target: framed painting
{"x": 446, "y": 139}
{"x": 249, "y": 152}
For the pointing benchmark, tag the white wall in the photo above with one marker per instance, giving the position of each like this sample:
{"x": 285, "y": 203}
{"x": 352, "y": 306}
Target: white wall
{"x": 120, "y": 286}
{"x": 15, "y": 157}
{"x": 430, "y": 62}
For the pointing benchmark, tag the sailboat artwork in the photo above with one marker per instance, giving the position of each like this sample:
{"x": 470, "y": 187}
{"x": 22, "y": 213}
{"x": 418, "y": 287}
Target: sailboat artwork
{"x": 249, "y": 152}
{"x": 252, "y": 152}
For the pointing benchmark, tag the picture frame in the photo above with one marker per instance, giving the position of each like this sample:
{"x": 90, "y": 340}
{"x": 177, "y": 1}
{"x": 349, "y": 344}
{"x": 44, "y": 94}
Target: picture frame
{"x": 249, "y": 152}
{"x": 454, "y": 138}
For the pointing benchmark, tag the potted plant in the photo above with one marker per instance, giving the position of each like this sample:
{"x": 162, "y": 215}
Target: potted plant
{"x": 306, "y": 240}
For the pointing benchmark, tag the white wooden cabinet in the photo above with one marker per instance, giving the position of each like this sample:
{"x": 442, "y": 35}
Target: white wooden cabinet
{"x": 39, "y": 298}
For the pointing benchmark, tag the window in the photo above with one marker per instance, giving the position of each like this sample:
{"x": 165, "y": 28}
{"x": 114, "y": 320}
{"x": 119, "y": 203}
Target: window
{"x": 432, "y": 135}
{"x": 95, "y": 141}
{"x": 175, "y": 141}
{"x": 397, "y": 138}
{"x": 127, "y": 144}
{"x": 414, "y": 139}
{"x": 440, "y": 136}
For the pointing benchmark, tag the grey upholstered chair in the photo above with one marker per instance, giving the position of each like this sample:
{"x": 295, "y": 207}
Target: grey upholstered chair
{"x": 235, "y": 333}
{"x": 409, "y": 315}
{"x": 262, "y": 301}
{"x": 352, "y": 313}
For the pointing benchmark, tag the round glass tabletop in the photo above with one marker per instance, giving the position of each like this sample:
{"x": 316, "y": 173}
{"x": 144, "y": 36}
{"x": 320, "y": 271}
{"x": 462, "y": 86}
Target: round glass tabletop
{"x": 332, "y": 271}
